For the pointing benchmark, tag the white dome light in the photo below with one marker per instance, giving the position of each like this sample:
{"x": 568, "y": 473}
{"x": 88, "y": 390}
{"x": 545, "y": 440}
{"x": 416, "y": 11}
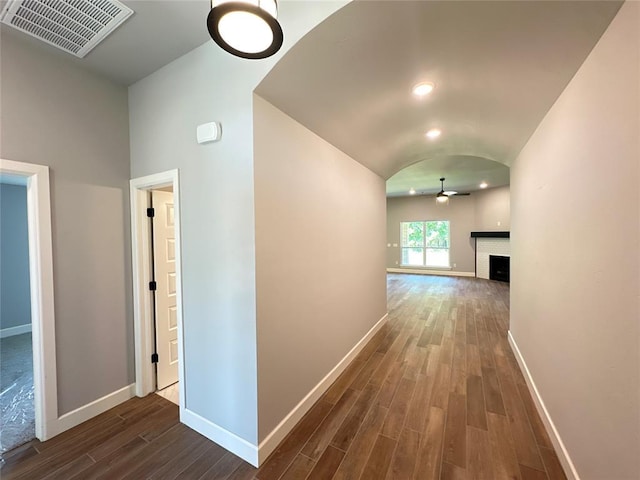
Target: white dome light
{"x": 245, "y": 31}
{"x": 247, "y": 28}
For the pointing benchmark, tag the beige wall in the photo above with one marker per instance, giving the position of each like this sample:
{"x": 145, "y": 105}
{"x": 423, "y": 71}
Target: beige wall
{"x": 217, "y": 211}
{"x": 492, "y": 209}
{"x": 56, "y": 114}
{"x": 320, "y": 275}
{"x": 216, "y": 202}
{"x": 575, "y": 275}
{"x": 479, "y": 211}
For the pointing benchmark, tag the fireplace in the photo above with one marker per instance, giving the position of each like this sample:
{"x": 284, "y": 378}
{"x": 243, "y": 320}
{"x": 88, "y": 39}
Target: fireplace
{"x": 499, "y": 268}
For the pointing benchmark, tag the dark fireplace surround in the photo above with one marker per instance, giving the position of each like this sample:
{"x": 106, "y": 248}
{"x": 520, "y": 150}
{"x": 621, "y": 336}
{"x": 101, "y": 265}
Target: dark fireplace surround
{"x": 499, "y": 268}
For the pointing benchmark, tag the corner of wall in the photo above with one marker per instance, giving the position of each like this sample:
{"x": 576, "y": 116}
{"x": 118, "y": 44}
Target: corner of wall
{"x": 554, "y": 435}
{"x": 271, "y": 442}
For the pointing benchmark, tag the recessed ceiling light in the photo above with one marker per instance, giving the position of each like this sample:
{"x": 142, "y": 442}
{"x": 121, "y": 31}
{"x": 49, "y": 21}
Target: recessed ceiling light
{"x": 484, "y": 185}
{"x": 412, "y": 192}
{"x": 433, "y": 133}
{"x": 423, "y": 89}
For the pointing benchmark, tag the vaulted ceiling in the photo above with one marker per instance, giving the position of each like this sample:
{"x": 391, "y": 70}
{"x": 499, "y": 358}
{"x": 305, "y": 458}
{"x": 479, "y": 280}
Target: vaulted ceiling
{"x": 497, "y": 66}
{"x": 497, "y": 69}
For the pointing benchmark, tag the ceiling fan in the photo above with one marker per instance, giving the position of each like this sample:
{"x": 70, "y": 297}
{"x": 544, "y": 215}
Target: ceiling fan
{"x": 443, "y": 196}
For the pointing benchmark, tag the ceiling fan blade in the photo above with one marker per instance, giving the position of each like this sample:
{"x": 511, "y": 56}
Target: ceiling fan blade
{"x": 449, "y": 193}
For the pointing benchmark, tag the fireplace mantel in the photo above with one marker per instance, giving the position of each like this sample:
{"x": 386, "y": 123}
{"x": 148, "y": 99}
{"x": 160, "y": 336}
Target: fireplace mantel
{"x": 490, "y": 234}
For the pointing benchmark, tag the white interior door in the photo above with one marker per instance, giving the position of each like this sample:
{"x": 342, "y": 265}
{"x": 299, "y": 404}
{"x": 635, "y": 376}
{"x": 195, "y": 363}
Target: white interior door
{"x": 165, "y": 276}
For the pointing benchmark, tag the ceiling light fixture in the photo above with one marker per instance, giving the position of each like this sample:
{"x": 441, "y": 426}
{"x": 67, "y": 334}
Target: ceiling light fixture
{"x": 484, "y": 185}
{"x": 434, "y": 133}
{"x": 441, "y": 197}
{"x": 412, "y": 191}
{"x": 246, "y": 28}
{"x": 423, "y": 89}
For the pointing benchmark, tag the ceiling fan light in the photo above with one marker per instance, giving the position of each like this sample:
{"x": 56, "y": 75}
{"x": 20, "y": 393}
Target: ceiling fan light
{"x": 246, "y": 28}
{"x": 441, "y": 197}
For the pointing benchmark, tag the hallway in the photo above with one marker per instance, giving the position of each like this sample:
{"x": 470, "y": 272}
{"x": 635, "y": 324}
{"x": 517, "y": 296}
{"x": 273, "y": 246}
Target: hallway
{"x": 436, "y": 394}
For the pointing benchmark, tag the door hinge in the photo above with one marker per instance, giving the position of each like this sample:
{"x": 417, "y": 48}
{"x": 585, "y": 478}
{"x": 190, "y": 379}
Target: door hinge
{"x": 153, "y": 286}
{"x": 151, "y": 212}
{"x": 154, "y": 358}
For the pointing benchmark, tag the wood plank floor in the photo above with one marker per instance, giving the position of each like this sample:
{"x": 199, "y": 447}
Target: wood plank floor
{"x": 437, "y": 393}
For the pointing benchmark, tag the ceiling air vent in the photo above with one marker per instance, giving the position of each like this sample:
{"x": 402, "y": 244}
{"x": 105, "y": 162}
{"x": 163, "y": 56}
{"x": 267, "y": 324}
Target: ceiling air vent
{"x": 75, "y": 26}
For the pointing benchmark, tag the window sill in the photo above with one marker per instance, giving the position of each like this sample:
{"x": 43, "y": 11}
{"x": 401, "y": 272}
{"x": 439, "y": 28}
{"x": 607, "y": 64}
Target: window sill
{"x": 419, "y": 267}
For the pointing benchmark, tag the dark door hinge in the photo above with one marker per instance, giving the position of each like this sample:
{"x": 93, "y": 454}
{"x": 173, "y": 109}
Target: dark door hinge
{"x": 154, "y": 358}
{"x": 151, "y": 212}
{"x": 153, "y": 286}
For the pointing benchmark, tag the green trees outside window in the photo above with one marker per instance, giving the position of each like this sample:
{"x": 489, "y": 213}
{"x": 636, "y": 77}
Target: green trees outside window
{"x": 425, "y": 244}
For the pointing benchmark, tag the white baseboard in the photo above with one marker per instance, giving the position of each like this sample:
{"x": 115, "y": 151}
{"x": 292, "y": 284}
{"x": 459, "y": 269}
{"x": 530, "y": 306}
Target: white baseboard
{"x": 563, "y": 455}
{"x": 253, "y": 454}
{"x": 11, "y": 331}
{"x": 421, "y": 271}
{"x": 226, "y": 439}
{"x": 90, "y": 410}
{"x": 269, "y": 444}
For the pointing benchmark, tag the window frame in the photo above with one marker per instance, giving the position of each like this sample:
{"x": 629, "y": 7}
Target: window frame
{"x": 424, "y": 247}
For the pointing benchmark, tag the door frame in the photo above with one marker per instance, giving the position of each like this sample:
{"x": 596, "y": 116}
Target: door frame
{"x": 45, "y": 384}
{"x": 141, "y": 269}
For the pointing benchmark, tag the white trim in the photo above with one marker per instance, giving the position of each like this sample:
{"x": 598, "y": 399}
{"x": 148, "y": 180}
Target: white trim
{"x": 426, "y": 267}
{"x": 141, "y": 268}
{"x": 226, "y": 439}
{"x": 90, "y": 410}
{"x": 253, "y": 454}
{"x": 42, "y": 297}
{"x": 420, "y": 271}
{"x": 269, "y": 444}
{"x": 13, "y": 331}
{"x": 563, "y": 454}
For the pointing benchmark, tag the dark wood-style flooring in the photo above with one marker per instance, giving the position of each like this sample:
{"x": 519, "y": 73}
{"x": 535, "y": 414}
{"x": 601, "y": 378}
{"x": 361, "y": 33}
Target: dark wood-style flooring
{"x": 437, "y": 393}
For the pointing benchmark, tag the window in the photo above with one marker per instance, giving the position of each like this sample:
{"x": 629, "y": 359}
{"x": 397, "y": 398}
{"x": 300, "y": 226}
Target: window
{"x": 425, "y": 244}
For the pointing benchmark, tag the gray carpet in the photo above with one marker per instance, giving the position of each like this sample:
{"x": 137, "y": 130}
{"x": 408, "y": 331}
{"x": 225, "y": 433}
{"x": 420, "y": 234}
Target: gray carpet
{"x": 16, "y": 391}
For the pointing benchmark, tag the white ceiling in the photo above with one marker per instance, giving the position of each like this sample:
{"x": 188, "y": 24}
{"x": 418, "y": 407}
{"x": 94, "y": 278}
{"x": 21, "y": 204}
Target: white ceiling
{"x": 498, "y": 67}
{"x": 462, "y": 173}
{"x": 158, "y": 32}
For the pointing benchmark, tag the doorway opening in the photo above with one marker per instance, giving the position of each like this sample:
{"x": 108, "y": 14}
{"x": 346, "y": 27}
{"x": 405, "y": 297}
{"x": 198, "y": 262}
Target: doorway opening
{"x": 34, "y": 387}
{"x": 17, "y": 410}
{"x": 156, "y": 258}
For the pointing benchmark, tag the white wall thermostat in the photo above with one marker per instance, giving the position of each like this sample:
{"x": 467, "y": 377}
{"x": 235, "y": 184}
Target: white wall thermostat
{"x": 209, "y": 132}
